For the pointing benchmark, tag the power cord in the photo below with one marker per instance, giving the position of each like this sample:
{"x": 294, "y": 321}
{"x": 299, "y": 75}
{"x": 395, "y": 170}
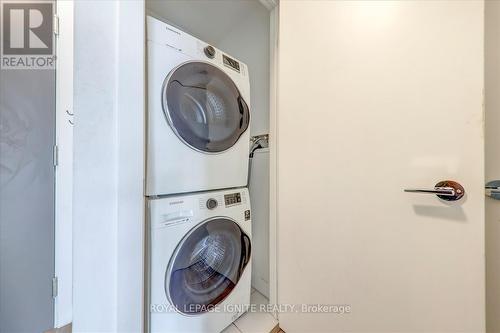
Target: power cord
{"x": 256, "y": 142}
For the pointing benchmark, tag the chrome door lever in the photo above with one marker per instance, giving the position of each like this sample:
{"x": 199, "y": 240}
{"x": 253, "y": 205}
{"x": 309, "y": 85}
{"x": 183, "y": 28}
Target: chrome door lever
{"x": 446, "y": 190}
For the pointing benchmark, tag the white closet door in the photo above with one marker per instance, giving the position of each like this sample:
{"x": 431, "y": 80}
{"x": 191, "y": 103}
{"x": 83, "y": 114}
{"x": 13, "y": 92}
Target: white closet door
{"x": 376, "y": 97}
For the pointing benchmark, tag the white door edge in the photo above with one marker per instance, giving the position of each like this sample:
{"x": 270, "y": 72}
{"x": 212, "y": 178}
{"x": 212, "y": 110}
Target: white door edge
{"x": 63, "y": 304}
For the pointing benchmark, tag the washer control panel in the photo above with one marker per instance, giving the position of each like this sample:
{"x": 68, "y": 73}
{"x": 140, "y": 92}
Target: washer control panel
{"x": 216, "y": 201}
{"x": 232, "y": 199}
{"x": 212, "y": 203}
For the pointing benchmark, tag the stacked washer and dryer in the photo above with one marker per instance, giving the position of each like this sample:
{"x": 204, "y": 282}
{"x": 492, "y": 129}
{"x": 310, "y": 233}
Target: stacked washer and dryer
{"x": 199, "y": 221}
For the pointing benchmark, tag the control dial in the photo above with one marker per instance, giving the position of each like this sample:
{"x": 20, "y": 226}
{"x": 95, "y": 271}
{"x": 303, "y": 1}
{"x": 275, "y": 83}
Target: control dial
{"x": 209, "y": 51}
{"x": 212, "y": 203}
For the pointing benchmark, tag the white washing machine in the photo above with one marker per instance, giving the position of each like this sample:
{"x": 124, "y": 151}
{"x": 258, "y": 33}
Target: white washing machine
{"x": 199, "y": 261}
{"x": 198, "y": 114}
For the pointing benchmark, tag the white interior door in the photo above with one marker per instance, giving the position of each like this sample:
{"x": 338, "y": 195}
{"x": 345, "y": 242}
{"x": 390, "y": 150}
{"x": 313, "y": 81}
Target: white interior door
{"x": 376, "y": 97}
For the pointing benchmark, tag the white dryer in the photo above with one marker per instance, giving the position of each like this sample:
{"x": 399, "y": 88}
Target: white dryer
{"x": 198, "y": 114}
{"x": 199, "y": 261}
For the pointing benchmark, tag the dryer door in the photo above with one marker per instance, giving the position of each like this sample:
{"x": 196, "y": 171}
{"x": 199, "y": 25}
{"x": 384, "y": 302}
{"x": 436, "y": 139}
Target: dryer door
{"x": 206, "y": 265}
{"x": 204, "y": 107}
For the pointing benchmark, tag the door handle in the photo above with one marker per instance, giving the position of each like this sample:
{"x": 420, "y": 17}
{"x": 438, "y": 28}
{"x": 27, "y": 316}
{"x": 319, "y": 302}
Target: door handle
{"x": 446, "y": 190}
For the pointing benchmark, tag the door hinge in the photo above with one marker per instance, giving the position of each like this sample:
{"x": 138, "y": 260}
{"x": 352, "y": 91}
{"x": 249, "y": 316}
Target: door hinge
{"x": 56, "y": 155}
{"x": 54, "y": 287}
{"x": 56, "y": 25}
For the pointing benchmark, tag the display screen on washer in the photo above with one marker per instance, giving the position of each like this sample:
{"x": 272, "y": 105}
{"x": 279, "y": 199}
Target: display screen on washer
{"x": 232, "y": 199}
{"x": 231, "y": 63}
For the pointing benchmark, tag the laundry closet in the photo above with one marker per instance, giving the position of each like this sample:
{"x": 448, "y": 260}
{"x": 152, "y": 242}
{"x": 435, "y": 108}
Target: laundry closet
{"x": 205, "y": 56}
{"x": 381, "y": 103}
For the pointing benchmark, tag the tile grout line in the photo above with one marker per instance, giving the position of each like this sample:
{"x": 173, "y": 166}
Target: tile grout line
{"x": 237, "y": 328}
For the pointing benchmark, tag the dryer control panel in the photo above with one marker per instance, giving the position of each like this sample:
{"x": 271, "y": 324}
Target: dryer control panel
{"x": 231, "y": 63}
{"x": 232, "y": 199}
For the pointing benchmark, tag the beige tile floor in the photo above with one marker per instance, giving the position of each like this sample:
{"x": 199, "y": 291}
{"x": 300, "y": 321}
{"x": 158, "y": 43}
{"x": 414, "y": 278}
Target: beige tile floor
{"x": 255, "y": 322}
{"x": 64, "y": 329}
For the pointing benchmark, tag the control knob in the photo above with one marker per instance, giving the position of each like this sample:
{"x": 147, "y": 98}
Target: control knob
{"x": 211, "y": 203}
{"x": 209, "y": 51}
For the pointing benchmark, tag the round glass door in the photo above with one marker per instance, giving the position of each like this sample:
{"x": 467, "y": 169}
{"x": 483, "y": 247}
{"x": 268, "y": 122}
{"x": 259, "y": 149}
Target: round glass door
{"x": 204, "y": 107}
{"x": 206, "y": 265}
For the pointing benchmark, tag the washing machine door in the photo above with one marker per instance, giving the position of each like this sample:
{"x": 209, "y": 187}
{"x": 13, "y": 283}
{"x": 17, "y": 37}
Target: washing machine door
{"x": 204, "y": 107}
{"x": 206, "y": 265}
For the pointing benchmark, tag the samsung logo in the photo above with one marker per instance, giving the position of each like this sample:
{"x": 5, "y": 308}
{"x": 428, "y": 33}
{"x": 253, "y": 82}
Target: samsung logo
{"x": 176, "y": 202}
{"x": 172, "y": 30}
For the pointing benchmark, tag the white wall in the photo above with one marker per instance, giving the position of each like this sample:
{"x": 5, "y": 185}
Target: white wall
{"x": 108, "y": 166}
{"x": 131, "y": 224}
{"x": 492, "y": 103}
{"x": 95, "y": 168}
{"x": 259, "y": 197}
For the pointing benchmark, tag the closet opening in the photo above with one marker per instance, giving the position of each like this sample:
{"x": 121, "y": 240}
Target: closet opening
{"x": 244, "y": 35}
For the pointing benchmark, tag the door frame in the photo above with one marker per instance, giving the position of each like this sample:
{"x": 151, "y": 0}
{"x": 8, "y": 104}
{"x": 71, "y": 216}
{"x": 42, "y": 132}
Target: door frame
{"x": 273, "y": 7}
{"x": 63, "y": 161}
{"x": 273, "y": 160}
